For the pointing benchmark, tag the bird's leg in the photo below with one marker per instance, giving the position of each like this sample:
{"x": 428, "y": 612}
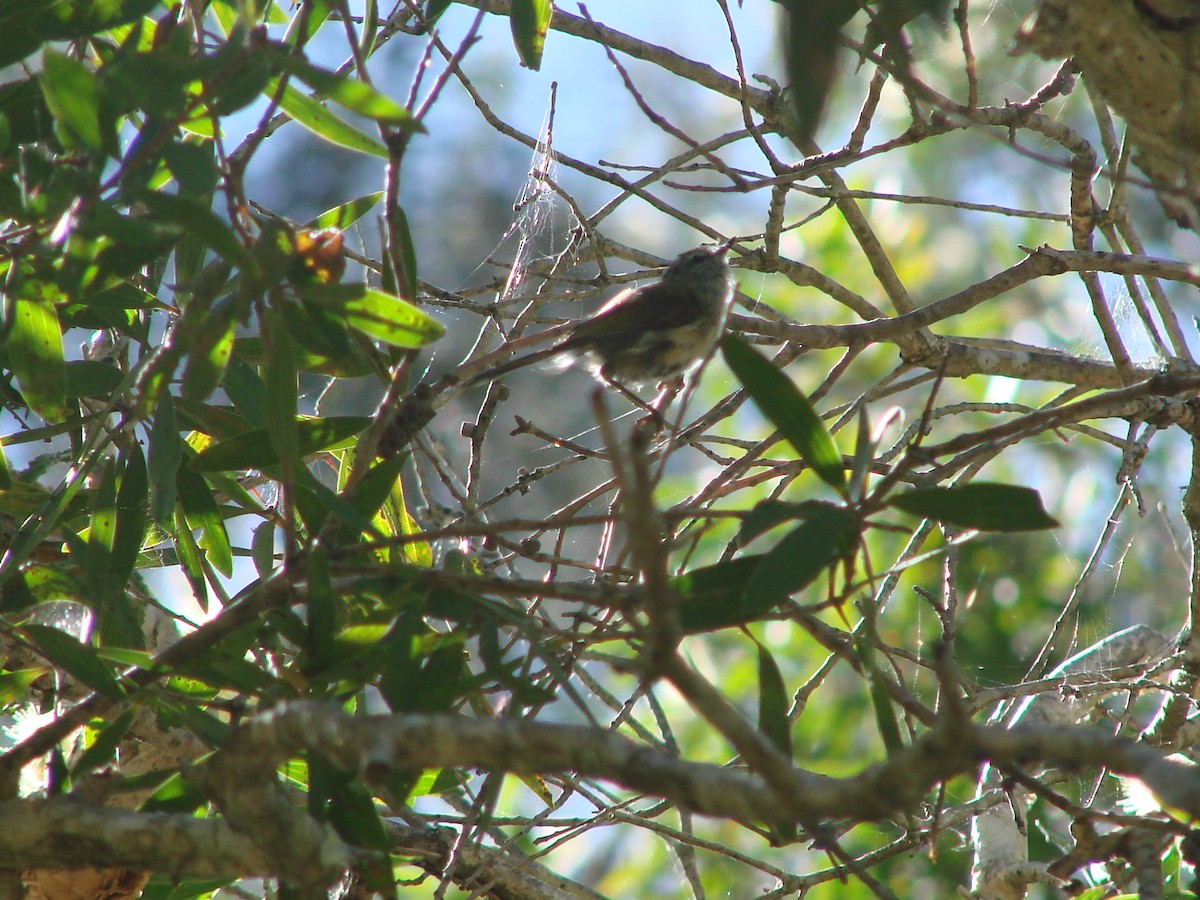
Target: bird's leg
{"x": 655, "y": 415}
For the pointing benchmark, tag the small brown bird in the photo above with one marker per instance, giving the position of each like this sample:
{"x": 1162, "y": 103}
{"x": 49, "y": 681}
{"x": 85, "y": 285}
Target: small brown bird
{"x": 649, "y": 333}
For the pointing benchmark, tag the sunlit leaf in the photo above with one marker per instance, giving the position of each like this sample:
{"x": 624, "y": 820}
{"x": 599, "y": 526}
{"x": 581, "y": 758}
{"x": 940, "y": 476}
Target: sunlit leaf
{"x": 78, "y": 659}
{"x": 200, "y": 512}
{"x": 310, "y": 113}
{"x": 373, "y": 312}
{"x": 73, "y": 95}
{"x": 352, "y": 94}
{"x": 788, "y": 409}
{"x": 530, "y": 20}
{"x": 253, "y": 450}
{"x": 345, "y": 215}
{"x": 35, "y": 353}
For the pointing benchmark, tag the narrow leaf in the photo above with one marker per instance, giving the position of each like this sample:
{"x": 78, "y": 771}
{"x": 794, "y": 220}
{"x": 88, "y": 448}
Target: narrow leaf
{"x": 104, "y": 746}
{"x": 200, "y": 512}
{"x": 131, "y": 512}
{"x": 345, "y": 215}
{"x": 35, "y": 354}
{"x": 982, "y": 505}
{"x": 73, "y": 95}
{"x": 798, "y": 559}
{"x": 771, "y": 513}
{"x": 166, "y": 453}
{"x": 198, "y": 220}
{"x": 712, "y": 595}
{"x": 354, "y": 95}
{"x": 309, "y": 113}
{"x": 262, "y": 548}
{"x": 190, "y": 560}
{"x": 787, "y": 408}
{"x": 252, "y": 449}
{"x": 375, "y": 313}
{"x": 530, "y": 20}
{"x": 281, "y": 388}
{"x": 773, "y": 703}
{"x": 73, "y": 657}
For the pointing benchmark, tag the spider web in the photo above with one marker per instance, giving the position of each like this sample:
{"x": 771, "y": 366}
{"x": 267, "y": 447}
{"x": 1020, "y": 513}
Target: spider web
{"x": 535, "y": 207}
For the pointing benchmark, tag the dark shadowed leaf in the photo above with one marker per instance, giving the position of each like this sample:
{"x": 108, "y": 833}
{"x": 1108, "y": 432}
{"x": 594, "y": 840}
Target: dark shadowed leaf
{"x": 811, "y": 38}
{"x": 799, "y": 558}
{"x": 984, "y": 506}
{"x": 770, "y": 513}
{"x": 773, "y": 703}
{"x": 712, "y": 594}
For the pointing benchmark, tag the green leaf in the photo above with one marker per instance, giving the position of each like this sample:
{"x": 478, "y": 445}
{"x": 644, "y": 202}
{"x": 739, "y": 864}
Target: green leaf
{"x": 73, "y": 657}
{"x": 262, "y": 548}
{"x": 131, "y": 512}
{"x": 209, "y": 345}
{"x": 787, "y": 408}
{"x": 308, "y": 112}
{"x": 200, "y": 512}
{"x": 375, "y": 313}
{"x": 799, "y": 558}
{"x": 771, "y": 513}
{"x": 318, "y": 12}
{"x": 253, "y": 450}
{"x": 982, "y": 505}
{"x": 15, "y": 685}
{"x": 24, "y": 108}
{"x": 281, "y": 388}
{"x": 92, "y": 378}
{"x": 187, "y": 551}
{"x": 26, "y": 25}
{"x": 349, "y": 93}
{"x": 247, "y": 390}
{"x": 408, "y": 255}
{"x": 435, "y": 8}
{"x": 711, "y": 595}
{"x": 773, "y": 703}
{"x": 104, "y": 746}
{"x": 199, "y": 220}
{"x": 193, "y": 166}
{"x": 530, "y": 20}
{"x": 881, "y": 701}
{"x": 73, "y": 95}
{"x": 176, "y": 795}
{"x": 166, "y": 453}
{"x": 374, "y": 488}
{"x": 102, "y": 519}
{"x": 322, "y": 608}
{"x": 320, "y": 333}
{"x": 423, "y": 672}
{"x": 35, "y": 354}
{"x": 343, "y": 216}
